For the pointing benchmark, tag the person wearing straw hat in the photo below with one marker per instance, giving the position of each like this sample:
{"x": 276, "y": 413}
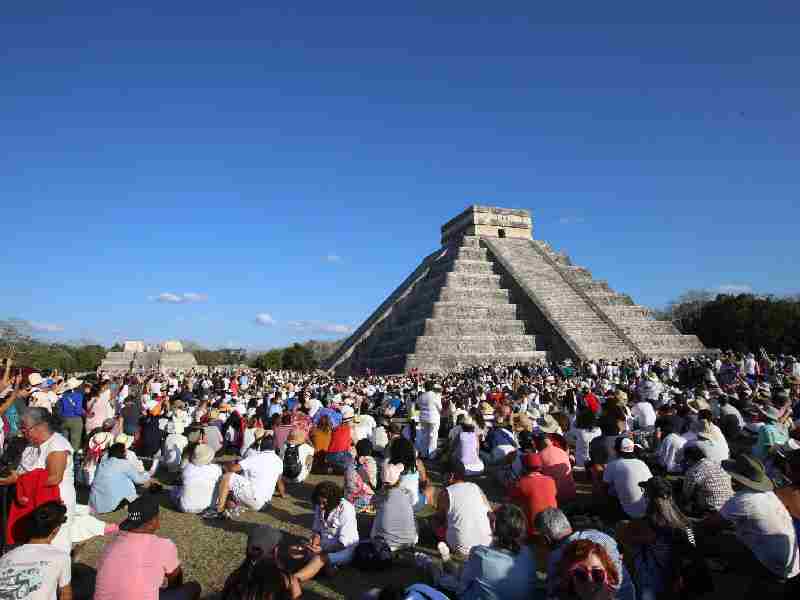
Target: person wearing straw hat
{"x": 199, "y": 479}
{"x": 135, "y": 564}
{"x": 764, "y": 543}
{"x": 72, "y": 412}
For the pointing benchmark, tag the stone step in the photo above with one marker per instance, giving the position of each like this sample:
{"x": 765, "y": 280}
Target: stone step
{"x": 455, "y": 327}
{"x": 467, "y": 282}
{"x": 455, "y": 310}
{"x": 467, "y": 267}
{"x": 470, "y": 253}
{"x": 478, "y": 297}
{"x": 647, "y": 327}
{"x": 457, "y": 345}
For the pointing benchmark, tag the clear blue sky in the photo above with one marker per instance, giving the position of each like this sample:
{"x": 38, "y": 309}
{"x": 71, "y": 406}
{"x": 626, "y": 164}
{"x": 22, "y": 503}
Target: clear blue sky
{"x": 297, "y": 159}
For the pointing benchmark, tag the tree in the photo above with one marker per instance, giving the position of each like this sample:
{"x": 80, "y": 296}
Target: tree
{"x": 269, "y": 361}
{"x": 117, "y": 347}
{"x": 298, "y": 358}
{"x": 742, "y": 323}
{"x": 685, "y": 311}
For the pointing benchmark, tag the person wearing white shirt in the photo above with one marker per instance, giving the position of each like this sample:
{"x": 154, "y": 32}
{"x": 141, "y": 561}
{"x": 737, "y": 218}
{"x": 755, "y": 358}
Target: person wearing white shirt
{"x": 429, "y": 404}
{"x": 198, "y": 481}
{"x": 623, "y": 477}
{"x": 305, "y": 455}
{"x": 38, "y": 570}
{"x": 644, "y": 414}
{"x": 335, "y": 531}
{"x": 252, "y": 480}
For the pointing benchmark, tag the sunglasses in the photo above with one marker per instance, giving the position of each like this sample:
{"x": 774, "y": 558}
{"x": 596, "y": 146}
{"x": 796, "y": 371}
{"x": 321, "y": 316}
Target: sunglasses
{"x": 584, "y": 575}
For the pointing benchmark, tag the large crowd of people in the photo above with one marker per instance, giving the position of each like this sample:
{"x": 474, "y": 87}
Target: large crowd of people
{"x": 598, "y": 480}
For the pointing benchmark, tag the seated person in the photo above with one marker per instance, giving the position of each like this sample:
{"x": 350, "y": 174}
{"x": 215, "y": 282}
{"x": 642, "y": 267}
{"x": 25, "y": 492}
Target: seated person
{"x": 115, "y": 480}
{"x": 199, "y": 481}
{"x": 534, "y": 491}
{"x": 263, "y": 574}
{"x": 586, "y": 572}
{"x": 251, "y": 481}
{"x": 38, "y": 570}
{"x": 556, "y": 464}
{"x": 138, "y": 555}
{"x": 507, "y": 568}
{"x": 335, "y": 532}
{"x": 394, "y": 521}
{"x": 297, "y": 458}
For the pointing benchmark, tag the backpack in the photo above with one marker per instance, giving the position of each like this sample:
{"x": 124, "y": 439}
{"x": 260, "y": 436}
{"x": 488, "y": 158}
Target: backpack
{"x": 291, "y": 462}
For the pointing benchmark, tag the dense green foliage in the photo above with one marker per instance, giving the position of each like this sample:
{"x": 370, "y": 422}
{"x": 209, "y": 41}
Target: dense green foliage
{"x": 742, "y": 322}
{"x": 296, "y": 357}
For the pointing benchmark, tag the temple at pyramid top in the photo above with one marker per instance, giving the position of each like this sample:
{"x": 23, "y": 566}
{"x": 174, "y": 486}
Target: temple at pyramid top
{"x": 493, "y": 294}
{"x": 488, "y": 221}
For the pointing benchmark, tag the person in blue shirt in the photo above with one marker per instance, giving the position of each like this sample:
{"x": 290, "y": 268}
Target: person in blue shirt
{"x": 115, "y": 480}
{"x": 507, "y": 569}
{"x": 72, "y": 412}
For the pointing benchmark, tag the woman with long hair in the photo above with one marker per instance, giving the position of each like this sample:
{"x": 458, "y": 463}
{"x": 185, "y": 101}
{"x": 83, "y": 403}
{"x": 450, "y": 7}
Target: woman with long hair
{"x": 658, "y": 540}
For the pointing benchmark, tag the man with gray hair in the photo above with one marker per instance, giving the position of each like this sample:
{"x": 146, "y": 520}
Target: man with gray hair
{"x": 553, "y": 525}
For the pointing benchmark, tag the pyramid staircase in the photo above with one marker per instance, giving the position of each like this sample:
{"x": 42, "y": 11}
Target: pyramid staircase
{"x": 453, "y": 313}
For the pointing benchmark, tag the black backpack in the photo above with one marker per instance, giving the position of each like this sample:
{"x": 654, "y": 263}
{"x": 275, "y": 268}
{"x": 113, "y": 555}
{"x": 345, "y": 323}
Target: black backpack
{"x": 291, "y": 462}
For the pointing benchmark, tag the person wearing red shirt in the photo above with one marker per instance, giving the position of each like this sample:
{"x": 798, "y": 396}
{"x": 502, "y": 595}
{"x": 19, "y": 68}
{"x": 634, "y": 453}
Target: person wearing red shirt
{"x": 556, "y": 464}
{"x": 534, "y": 491}
{"x": 339, "y": 456}
{"x": 592, "y": 402}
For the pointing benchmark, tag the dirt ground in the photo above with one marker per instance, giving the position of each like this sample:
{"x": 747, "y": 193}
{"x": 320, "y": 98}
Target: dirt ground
{"x": 211, "y": 550}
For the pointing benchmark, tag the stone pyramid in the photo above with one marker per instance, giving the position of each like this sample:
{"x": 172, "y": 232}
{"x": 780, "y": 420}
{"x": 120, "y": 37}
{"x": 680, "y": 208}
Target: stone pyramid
{"x": 491, "y": 294}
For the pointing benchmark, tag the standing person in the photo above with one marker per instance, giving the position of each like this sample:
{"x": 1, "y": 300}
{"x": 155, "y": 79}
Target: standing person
{"x": 134, "y": 565}
{"x": 72, "y": 412}
{"x": 50, "y": 451}
{"x": 99, "y": 409}
{"x": 429, "y": 404}
{"x": 37, "y": 570}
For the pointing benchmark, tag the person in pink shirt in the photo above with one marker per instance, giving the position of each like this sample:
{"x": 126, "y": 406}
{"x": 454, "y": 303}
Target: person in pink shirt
{"x": 556, "y": 464}
{"x": 136, "y": 564}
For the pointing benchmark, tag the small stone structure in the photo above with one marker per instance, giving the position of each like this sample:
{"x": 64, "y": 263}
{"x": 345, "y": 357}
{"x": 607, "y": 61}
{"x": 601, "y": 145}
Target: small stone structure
{"x": 133, "y": 346}
{"x": 491, "y": 293}
{"x": 137, "y": 357}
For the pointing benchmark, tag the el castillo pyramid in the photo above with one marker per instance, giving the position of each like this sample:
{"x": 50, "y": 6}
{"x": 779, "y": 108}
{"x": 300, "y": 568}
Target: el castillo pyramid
{"x": 492, "y": 294}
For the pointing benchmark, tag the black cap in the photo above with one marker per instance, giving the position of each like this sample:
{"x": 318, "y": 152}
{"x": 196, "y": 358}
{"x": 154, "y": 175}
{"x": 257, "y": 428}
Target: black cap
{"x": 140, "y": 511}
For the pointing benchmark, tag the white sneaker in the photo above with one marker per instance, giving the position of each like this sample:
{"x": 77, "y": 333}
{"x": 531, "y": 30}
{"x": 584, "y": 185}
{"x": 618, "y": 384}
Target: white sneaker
{"x": 444, "y": 551}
